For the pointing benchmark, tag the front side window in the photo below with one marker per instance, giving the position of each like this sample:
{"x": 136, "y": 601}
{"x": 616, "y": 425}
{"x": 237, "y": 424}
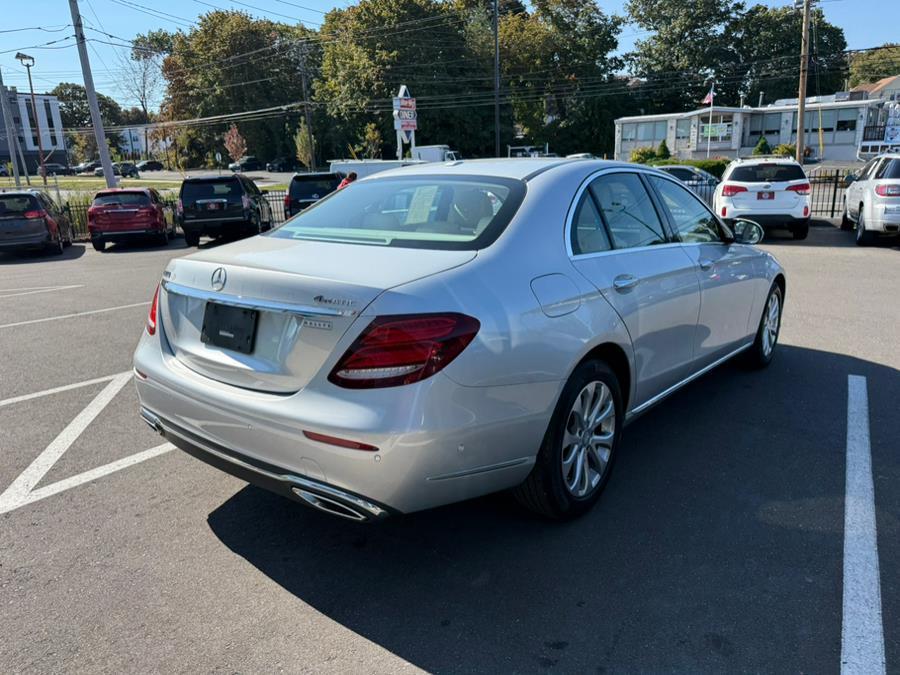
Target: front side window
{"x": 692, "y": 221}
{"x": 432, "y": 212}
{"x": 628, "y": 211}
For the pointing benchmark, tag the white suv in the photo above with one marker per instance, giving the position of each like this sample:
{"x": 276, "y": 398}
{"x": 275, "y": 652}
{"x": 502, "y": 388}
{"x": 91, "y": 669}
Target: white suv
{"x": 872, "y": 199}
{"x": 771, "y": 191}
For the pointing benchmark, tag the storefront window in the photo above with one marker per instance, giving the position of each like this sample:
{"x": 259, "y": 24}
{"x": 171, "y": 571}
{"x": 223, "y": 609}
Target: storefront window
{"x": 717, "y": 132}
{"x": 846, "y": 119}
{"x": 683, "y": 129}
{"x": 629, "y": 131}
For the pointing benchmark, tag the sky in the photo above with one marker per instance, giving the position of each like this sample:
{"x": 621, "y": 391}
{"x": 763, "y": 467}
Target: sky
{"x": 866, "y": 23}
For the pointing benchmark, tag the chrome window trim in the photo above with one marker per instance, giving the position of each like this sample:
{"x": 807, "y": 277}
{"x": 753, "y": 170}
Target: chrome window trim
{"x": 252, "y": 303}
{"x": 570, "y": 215}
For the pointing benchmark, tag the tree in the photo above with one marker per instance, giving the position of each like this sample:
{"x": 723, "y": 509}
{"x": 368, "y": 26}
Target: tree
{"x": 372, "y": 142}
{"x": 304, "y": 152}
{"x": 141, "y": 74}
{"x": 762, "y": 147}
{"x": 662, "y": 152}
{"x": 873, "y": 65}
{"x": 235, "y": 143}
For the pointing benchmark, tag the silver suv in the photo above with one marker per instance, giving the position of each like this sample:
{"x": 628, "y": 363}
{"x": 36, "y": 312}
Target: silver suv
{"x": 872, "y": 199}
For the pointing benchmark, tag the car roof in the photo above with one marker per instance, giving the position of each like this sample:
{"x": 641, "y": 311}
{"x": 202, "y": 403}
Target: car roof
{"x": 107, "y": 191}
{"x": 523, "y": 168}
{"x": 211, "y": 176}
{"x": 767, "y": 159}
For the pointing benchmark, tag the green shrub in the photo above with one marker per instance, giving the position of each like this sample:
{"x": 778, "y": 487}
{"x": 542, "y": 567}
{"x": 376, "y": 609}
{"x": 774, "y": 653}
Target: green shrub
{"x": 643, "y": 155}
{"x": 715, "y": 166}
{"x": 662, "y": 152}
{"x": 762, "y": 148}
{"x": 785, "y": 150}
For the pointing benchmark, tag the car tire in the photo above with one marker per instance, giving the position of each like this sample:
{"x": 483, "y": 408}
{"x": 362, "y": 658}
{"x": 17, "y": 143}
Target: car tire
{"x": 69, "y": 239}
{"x": 863, "y": 236}
{"x": 569, "y": 474}
{"x": 99, "y": 245}
{"x": 191, "y": 238}
{"x": 162, "y": 239}
{"x": 59, "y": 247}
{"x": 762, "y": 351}
{"x": 801, "y": 231}
{"x": 846, "y": 223}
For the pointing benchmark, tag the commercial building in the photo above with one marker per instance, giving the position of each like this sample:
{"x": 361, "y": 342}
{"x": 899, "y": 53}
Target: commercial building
{"x": 841, "y": 127}
{"x": 48, "y": 121}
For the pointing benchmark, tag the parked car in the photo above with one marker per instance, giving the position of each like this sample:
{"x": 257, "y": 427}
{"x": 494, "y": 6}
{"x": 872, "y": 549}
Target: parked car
{"x": 305, "y": 189}
{"x": 222, "y": 205}
{"x": 700, "y": 181}
{"x": 246, "y": 164}
{"x": 30, "y": 219}
{"x": 124, "y": 169}
{"x": 283, "y": 164}
{"x": 88, "y": 167}
{"x": 400, "y": 346}
{"x": 54, "y": 169}
{"x": 773, "y": 192}
{"x": 872, "y": 200}
{"x": 4, "y": 171}
{"x": 118, "y": 215}
{"x": 150, "y": 165}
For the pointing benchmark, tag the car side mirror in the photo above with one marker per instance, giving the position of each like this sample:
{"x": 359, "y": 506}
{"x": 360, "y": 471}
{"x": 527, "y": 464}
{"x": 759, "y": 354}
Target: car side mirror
{"x": 849, "y": 178}
{"x": 747, "y": 231}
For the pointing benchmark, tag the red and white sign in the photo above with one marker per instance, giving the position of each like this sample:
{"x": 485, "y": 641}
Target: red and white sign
{"x": 404, "y": 103}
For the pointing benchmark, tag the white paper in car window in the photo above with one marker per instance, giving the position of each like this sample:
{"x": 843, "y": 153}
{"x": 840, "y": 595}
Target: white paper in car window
{"x": 420, "y": 206}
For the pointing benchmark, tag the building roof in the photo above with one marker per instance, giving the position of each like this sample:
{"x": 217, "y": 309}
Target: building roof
{"x": 748, "y": 109}
{"x": 876, "y": 87}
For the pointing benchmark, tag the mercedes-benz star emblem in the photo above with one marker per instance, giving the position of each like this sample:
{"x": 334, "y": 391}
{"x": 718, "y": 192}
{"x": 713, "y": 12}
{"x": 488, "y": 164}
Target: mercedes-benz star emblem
{"x": 219, "y": 276}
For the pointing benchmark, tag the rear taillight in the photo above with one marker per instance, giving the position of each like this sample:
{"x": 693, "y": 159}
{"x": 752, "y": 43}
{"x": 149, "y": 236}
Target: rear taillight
{"x": 92, "y": 213}
{"x": 151, "y": 317}
{"x": 887, "y": 190}
{"x": 801, "y": 189}
{"x": 35, "y": 213}
{"x": 396, "y": 350}
{"x": 287, "y": 201}
{"x": 245, "y": 202}
{"x": 731, "y": 190}
{"x": 179, "y": 207}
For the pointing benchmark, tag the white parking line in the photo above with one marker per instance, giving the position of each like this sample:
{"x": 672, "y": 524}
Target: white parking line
{"x": 17, "y": 493}
{"x": 862, "y": 632}
{"x": 57, "y": 390}
{"x": 72, "y": 316}
{"x": 16, "y": 292}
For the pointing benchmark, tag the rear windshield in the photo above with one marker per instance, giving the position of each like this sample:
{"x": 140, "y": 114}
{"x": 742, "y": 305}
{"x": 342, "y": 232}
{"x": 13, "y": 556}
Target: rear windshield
{"x": 433, "y": 212}
{"x": 211, "y": 189}
{"x": 767, "y": 173}
{"x": 313, "y": 187}
{"x": 123, "y": 198}
{"x": 890, "y": 170}
{"x": 16, "y": 205}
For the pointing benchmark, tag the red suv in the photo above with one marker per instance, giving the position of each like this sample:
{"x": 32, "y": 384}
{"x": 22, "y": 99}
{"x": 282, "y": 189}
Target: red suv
{"x": 127, "y": 214}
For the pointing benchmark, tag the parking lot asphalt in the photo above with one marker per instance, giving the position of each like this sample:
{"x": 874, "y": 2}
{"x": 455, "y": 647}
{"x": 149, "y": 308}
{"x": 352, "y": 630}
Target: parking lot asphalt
{"x": 719, "y": 544}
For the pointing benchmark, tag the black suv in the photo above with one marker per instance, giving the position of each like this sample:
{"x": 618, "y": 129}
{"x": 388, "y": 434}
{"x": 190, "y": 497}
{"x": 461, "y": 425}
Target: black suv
{"x": 308, "y": 188}
{"x": 150, "y": 165}
{"x": 283, "y": 164}
{"x": 222, "y": 205}
{"x": 248, "y": 163}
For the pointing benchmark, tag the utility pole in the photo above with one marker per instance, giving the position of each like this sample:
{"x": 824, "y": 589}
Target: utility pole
{"x": 496, "y": 78}
{"x": 96, "y": 120}
{"x": 10, "y": 128}
{"x": 28, "y": 62}
{"x": 306, "y": 113}
{"x": 804, "y": 69}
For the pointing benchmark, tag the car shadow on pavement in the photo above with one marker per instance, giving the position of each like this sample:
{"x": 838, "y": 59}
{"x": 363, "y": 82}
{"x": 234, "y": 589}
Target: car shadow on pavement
{"x": 73, "y": 252}
{"x": 717, "y": 545}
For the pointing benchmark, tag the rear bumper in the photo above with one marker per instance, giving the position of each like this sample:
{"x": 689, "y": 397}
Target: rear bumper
{"x": 124, "y": 235}
{"x": 214, "y": 227}
{"x": 437, "y": 442}
{"x": 26, "y": 242}
{"x": 886, "y": 219}
{"x": 771, "y": 220}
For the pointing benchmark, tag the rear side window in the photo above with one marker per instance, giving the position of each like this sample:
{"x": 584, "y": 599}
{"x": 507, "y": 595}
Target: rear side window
{"x": 122, "y": 198}
{"x": 626, "y": 207}
{"x": 211, "y": 189}
{"x": 12, "y": 206}
{"x": 588, "y": 232}
{"x": 313, "y": 187}
{"x": 767, "y": 173}
{"x": 680, "y": 174}
{"x": 889, "y": 170}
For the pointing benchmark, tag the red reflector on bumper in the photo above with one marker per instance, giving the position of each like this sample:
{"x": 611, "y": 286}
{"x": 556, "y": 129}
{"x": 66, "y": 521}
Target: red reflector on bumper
{"x": 340, "y": 442}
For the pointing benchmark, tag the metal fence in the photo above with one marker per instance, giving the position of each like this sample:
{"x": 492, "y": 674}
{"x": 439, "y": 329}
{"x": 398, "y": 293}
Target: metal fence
{"x": 827, "y": 192}
{"x": 78, "y": 212}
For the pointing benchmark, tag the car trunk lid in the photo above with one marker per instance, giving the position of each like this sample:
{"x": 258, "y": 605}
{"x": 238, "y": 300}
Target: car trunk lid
{"x": 300, "y": 310}
{"x": 20, "y": 216}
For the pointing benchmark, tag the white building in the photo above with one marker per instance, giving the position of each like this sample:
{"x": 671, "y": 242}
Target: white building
{"x": 837, "y": 129}
{"x": 23, "y": 120}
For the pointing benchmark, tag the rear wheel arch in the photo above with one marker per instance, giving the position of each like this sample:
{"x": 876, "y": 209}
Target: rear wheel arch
{"x": 782, "y": 284}
{"x": 615, "y": 357}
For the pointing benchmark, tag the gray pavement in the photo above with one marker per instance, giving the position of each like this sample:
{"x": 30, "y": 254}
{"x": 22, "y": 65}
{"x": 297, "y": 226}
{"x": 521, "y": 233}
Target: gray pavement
{"x": 718, "y": 546}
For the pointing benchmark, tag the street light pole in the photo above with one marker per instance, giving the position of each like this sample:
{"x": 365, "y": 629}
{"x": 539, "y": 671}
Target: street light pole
{"x": 28, "y": 62}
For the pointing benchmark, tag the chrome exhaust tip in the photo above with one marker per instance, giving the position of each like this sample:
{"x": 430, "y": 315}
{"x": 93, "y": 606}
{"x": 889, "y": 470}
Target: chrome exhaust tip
{"x": 330, "y": 506}
{"x": 151, "y": 420}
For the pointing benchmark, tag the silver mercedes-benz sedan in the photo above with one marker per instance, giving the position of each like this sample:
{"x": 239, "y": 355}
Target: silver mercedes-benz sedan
{"x": 444, "y": 331}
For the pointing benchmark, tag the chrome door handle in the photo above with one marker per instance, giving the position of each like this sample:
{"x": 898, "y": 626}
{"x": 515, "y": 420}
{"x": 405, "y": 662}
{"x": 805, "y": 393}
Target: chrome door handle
{"x": 705, "y": 263}
{"x": 625, "y": 281}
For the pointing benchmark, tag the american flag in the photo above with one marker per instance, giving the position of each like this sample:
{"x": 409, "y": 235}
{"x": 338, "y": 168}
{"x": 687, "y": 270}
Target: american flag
{"x": 709, "y": 97}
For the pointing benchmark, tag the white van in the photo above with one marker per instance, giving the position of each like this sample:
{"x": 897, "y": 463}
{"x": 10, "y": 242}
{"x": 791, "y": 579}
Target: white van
{"x": 366, "y": 167}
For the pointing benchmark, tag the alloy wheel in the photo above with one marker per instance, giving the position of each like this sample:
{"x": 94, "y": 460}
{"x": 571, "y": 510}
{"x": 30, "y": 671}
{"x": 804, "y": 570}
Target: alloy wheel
{"x": 771, "y": 324}
{"x": 588, "y": 439}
